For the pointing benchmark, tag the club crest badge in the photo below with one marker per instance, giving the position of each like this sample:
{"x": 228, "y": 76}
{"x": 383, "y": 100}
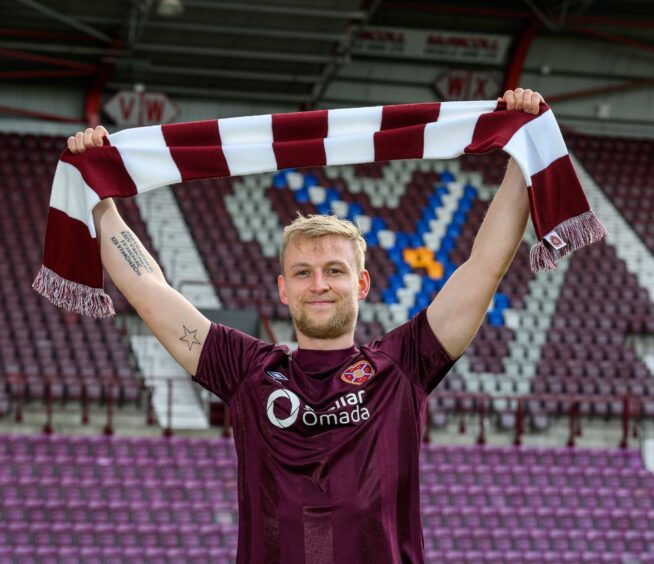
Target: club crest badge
{"x": 358, "y": 373}
{"x": 554, "y": 239}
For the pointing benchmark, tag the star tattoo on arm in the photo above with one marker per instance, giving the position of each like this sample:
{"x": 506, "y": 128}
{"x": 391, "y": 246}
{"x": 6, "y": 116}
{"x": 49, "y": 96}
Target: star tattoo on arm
{"x": 190, "y": 337}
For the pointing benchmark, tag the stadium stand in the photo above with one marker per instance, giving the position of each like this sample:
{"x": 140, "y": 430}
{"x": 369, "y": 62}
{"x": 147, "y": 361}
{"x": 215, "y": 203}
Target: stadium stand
{"x": 623, "y": 168}
{"x": 248, "y": 216}
{"x": 43, "y": 343}
{"x": 135, "y": 498}
{"x": 100, "y": 498}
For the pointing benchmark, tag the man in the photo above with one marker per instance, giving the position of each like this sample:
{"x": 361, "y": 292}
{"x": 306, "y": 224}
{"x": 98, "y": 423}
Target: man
{"x": 328, "y": 436}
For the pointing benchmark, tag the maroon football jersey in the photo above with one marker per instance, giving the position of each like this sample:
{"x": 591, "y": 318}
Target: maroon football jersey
{"x": 327, "y": 443}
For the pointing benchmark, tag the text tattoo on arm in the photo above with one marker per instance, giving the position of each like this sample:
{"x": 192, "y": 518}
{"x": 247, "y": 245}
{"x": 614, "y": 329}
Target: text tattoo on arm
{"x": 190, "y": 337}
{"x": 129, "y": 248}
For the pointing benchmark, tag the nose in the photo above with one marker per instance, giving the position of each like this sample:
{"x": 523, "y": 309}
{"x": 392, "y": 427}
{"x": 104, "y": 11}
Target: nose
{"x": 319, "y": 283}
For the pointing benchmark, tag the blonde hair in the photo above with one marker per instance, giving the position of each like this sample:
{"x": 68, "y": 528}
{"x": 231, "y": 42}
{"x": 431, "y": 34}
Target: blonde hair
{"x": 315, "y": 226}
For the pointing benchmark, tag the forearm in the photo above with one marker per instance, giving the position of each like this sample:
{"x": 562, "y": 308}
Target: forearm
{"x": 503, "y": 227}
{"x": 124, "y": 257}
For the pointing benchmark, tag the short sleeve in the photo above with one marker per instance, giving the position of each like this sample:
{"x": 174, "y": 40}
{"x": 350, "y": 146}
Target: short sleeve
{"x": 417, "y": 352}
{"x": 227, "y": 357}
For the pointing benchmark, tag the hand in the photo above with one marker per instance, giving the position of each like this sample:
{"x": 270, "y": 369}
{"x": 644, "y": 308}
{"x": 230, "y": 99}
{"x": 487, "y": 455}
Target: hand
{"x": 82, "y": 141}
{"x": 520, "y": 99}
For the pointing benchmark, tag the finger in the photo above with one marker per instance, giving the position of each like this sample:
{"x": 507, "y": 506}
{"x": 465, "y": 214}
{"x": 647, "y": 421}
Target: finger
{"x": 519, "y": 99}
{"x": 88, "y": 137}
{"x": 79, "y": 142}
{"x": 509, "y": 98}
{"x": 526, "y": 100}
{"x": 71, "y": 144}
{"x": 539, "y": 99}
{"x": 535, "y": 102}
{"x": 98, "y": 133}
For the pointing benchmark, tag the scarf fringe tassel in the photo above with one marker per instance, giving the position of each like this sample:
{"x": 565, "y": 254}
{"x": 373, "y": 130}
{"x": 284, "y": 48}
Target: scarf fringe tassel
{"x": 577, "y": 232}
{"x": 72, "y": 296}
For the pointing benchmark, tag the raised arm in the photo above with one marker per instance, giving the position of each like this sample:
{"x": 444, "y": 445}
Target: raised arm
{"x": 178, "y": 325}
{"x": 458, "y": 310}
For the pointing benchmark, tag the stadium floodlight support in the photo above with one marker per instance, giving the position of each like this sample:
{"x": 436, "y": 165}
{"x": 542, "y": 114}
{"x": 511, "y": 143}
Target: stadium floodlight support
{"x": 160, "y": 48}
{"x": 236, "y": 53}
{"x": 277, "y": 10}
{"x": 147, "y": 67}
{"x": 243, "y": 30}
{"x": 341, "y": 57}
{"x": 59, "y": 48}
{"x": 215, "y": 93}
{"x": 72, "y": 22}
{"x": 258, "y": 31}
{"x": 568, "y": 10}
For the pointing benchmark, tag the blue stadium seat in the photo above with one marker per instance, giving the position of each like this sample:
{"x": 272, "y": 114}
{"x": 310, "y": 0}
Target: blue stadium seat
{"x": 447, "y": 244}
{"x": 435, "y": 200}
{"x": 310, "y": 180}
{"x": 501, "y": 301}
{"x": 428, "y": 214}
{"x": 415, "y": 240}
{"x": 453, "y": 231}
{"x": 449, "y": 270}
{"x": 389, "y": 296}
{"x": 396, "y": 255}
{"x": 279, "y": 180}
{"x": 423, "y": 299}
{"x": 402, "y": 240}
{"x": 429, "y": 285}
{"x": 465, "y": 206}
{"x": 371, "y": 238}
{"x": 354, "y": 209}
{"x": 469, "y": 192}
{"x": 442, "y": 256}
{"x": 495, "y": 318}
{"x": 415, "y": 310}
{"x": 396, "y": 281}
{"x": 447, "y": 176}
{"x": 423, "y": 227}
{"x": 404, "y": 268}
{"x": 302, "y": 196}
{"x": 332, "y": 194}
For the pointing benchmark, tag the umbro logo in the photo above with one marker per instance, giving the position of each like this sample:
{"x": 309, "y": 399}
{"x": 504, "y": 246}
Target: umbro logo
{"x": 277, "y": 376}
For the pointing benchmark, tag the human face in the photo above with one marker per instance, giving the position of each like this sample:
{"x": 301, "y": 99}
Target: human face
{"x": 322, "y": 286}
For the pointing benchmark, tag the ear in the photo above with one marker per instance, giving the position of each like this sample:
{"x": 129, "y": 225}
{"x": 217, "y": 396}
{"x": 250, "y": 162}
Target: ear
{"x": 364, "y": 284}
{"x": 281, "y": 287}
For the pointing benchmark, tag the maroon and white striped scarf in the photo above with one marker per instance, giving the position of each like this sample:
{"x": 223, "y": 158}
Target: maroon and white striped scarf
{"x": 140, "y": 159}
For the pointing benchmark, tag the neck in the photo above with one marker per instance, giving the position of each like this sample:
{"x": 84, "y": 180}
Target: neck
{"x": 345, "y": 341}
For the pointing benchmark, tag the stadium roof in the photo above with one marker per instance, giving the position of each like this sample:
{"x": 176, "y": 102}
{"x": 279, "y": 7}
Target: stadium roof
{"x": 285, "y": 51}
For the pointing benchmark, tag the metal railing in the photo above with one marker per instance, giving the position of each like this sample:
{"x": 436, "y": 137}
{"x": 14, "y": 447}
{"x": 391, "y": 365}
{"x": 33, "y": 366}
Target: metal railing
{"x": 463, "y": 403}
{"x": 460, "y": 404}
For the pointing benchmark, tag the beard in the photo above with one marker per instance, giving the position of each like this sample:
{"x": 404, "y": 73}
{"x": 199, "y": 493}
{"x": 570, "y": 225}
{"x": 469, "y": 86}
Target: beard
{"x": 335, "y": 326}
